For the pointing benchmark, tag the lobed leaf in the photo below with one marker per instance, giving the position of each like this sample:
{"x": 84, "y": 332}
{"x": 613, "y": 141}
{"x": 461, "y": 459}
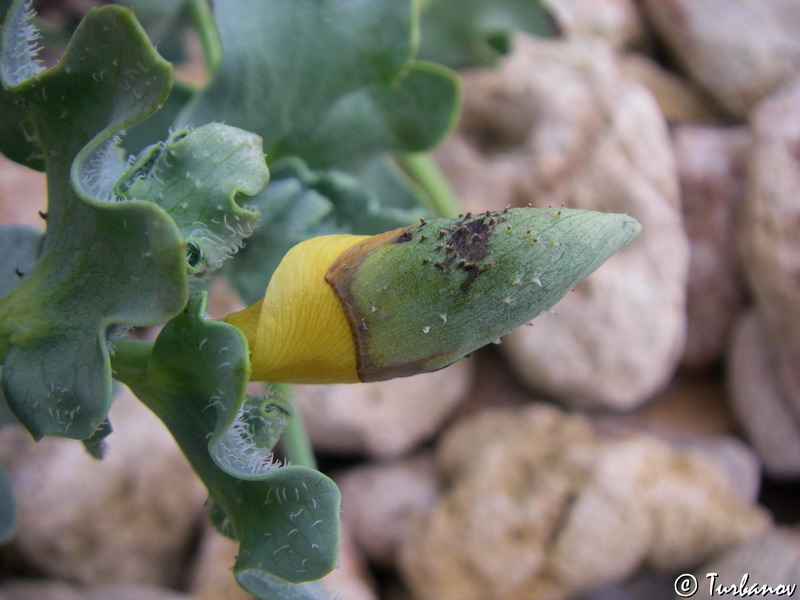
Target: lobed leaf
{"x": 196, "y": 177}
{"x": 101, "y": 263}
{"x": 469, "y": 33}
{"x": 331, "y": 82}
{"x": 286, "y": 521}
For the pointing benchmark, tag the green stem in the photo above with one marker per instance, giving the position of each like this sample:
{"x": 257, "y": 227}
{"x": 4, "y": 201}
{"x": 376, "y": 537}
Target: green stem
{"x": 295, "y": 442}
{"x": 209, "y": 35}
{"x": 129, "y": 361}
{"x": 421, "y": 167}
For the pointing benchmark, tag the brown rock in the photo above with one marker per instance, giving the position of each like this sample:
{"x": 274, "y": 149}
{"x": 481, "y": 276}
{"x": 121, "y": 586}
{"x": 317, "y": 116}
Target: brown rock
{"x": 549, "y": 508}
{"x": 769, "y": 230}
{"x": 766, "y": 415}
{"x": 739, "y": 51}
{"x": 557, "y": 123}
{"x": 126, "y": 519}
{"x": 711, "y": 166}
{"x": 385, "y": 419}
{"x": 379, "y": 502}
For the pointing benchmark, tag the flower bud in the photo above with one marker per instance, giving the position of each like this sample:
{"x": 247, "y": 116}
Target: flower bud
{"x": 342, "y": 308}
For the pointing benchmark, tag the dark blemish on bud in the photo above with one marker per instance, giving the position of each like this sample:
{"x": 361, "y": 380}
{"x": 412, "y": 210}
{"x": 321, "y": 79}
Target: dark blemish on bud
{"x": 423, "y": 237}
{"x": 422, "y": 221}
{"x": 439, "y": 265}
{"x": 404, "y": 237}
{"x": 43, "y": 215}
{"x": 443, "y": 232}
{"x": 507, "y": 208}
{"x": 426, "y": 261}
{"x": 468, "y": 215}
{"x": 18, "y": 273}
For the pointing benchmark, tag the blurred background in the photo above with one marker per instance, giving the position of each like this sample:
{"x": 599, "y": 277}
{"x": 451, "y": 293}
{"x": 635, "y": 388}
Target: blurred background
{"x": 647, "y": 426}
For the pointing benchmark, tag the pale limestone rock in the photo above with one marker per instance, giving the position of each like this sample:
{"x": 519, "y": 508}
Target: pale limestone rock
{"x": 59, "y": 590}
{"x": 769, "y": 230}
{"x": 558, "y": 123}
{"x": 542, "y": 506}
{"x": 379, "y": 502}
{"x": 712, "y": 162}
{"x": 739, "y": 51}
{"x": 126, "y": 519}
{"x": 23, "y": 193}
{"x": 764, "y": 411}
{"x": 617, "y": 21}
{"x": 678, "y": 99}
{"x": 772, "y": 559}
{"x": 350, "y": 580}
{"x": 385, "y": 419}
{"x": 210, "y": 577}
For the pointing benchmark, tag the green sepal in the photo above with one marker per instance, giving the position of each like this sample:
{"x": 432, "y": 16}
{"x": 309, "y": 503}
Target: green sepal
{"x": 300, "y": 203}
{"x": 422, "y": 297}
{"x": 102, "y": 263}
{"x": 287, "y": 521}
{"x": 197, "y": 177}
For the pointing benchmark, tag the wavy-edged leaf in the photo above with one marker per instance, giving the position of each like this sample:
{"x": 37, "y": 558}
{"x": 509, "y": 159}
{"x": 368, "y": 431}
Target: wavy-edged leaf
{"x": 300, "y": 203}
{"x": 331, "y": 82}
{"x": 102, "y": 263}
{"x": 286, "y": 522}
{"x": 468, "y": 33}
{"x": 19, "y": 45}
{"x": 197, "y": 176}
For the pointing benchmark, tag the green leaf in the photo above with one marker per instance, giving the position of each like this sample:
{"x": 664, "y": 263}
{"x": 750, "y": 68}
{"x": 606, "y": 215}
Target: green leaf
{"x": 19, "y": 245}
{"x": 300, "y": 203}
{"x": 16, "y": 131}
{"x": 468, "y": 33}
{"x": 264, "y": 586}
{"x": 102, "y": 263}
{"x": 8, "y": 508}
{"x": 18, "y": 45}
{"x": 244, "y": 450}
{"x": 287, "y": 521}
{"x": 197, "y": 176}
{"x": 331, "y": 82}
{"x": 158, "y": 127}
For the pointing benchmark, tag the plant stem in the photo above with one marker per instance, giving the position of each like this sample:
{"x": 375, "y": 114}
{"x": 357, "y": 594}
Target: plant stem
{"x": 423, "y": 169}
{"x": 129, "y": 360}
{"x": 295, "y": 442}
{"x": 207, "y": 31}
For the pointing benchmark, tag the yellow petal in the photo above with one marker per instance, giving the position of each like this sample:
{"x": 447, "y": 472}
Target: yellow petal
{"x": 299, "y": 333}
